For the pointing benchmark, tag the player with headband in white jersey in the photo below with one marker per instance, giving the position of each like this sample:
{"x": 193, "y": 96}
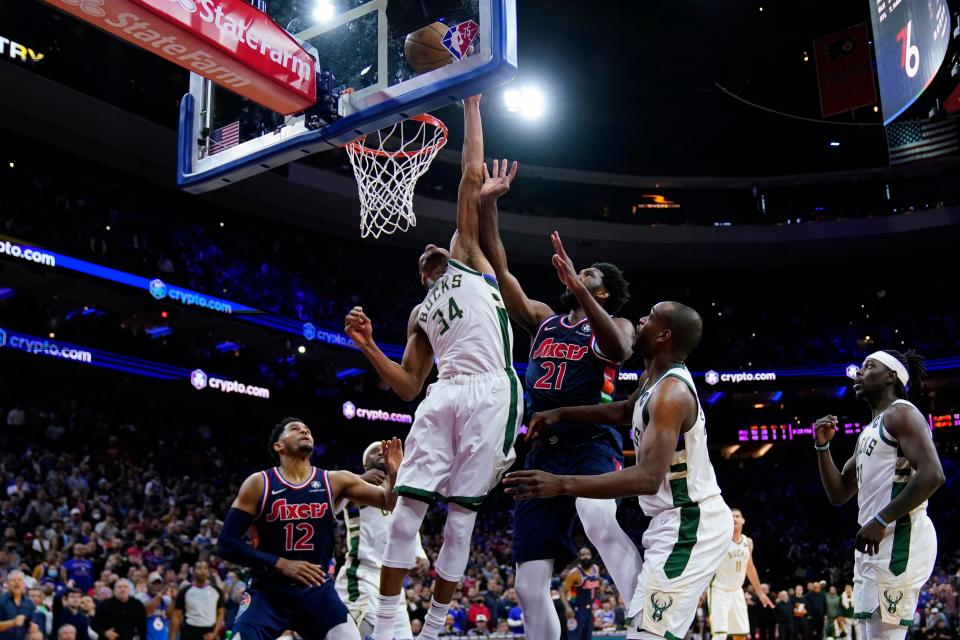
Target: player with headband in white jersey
{"x": 893, "y": 471}
{"x": 358, "y": 581}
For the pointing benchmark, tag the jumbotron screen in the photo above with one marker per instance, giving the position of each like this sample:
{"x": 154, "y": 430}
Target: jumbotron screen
{"x": 911, "y": 38}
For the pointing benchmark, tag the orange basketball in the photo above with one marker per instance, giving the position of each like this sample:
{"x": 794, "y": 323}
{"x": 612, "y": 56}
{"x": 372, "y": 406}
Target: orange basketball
{"x": 424, "y": 48}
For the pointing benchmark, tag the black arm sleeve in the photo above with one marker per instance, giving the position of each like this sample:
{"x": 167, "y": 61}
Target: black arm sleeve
{"x": 232, "y": 548}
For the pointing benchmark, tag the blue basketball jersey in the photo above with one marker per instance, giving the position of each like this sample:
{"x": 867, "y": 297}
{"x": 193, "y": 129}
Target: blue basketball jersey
{"x": 589, "y": 586}
{"x": 295, "y": 522}
{"x": 567, "y": 369}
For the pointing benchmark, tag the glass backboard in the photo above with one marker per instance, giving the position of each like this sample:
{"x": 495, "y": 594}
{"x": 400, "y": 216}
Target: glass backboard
{"x": 366, "y": 82}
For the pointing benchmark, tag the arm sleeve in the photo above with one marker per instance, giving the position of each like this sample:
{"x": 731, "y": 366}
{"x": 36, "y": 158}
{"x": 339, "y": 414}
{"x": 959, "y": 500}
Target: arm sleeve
{"x": 232, "y": 548}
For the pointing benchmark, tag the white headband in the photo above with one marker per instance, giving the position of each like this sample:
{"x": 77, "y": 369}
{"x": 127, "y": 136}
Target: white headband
{"x": 893, "y": 364}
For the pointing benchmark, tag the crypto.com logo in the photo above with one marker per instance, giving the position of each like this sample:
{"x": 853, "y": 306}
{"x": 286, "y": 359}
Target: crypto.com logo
{"x": 711, "y": 377}
{"x": 852, "y": 371}
{"x": 3, "y": 337}
{"x": 349, "y": 410}
{"x": 158, "y": 289}
{"x": 198, "y": 379}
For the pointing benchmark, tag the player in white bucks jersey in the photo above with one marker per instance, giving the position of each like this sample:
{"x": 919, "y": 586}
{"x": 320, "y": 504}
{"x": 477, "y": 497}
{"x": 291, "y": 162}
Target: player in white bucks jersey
{"x": 463, "y": 432}
{"x": 691, "y": 526}
{"x": 358, "y": 581}
{"x": 725, "y": 598}
{"x": 893, "y": 471}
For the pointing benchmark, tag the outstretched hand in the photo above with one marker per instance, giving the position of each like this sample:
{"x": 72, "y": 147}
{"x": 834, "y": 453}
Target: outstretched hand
{"x": 765, "y": 600}
{"x": 540, "y": 422}
{"x": 563, "y": 264}
{"x": 523, "y": 485}
{"x": 496, "y": 183}
{"x": 392, "y": 455}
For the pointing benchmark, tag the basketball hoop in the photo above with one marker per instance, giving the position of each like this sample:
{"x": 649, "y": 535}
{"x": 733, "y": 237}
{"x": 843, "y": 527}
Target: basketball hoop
{"x": 387, "y": 165}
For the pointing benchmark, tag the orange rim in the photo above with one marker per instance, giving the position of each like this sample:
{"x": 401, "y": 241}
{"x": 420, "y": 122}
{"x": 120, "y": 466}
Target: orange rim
{"x": 358, "y": 147}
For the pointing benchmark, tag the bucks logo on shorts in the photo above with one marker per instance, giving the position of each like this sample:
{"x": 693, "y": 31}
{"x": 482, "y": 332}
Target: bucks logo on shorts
{"x": 892, "y": 602}
{"x": 661, "y": 602}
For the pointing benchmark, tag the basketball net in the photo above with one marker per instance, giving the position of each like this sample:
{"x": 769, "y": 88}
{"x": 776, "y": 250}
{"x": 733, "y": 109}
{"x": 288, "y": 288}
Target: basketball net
{"x": 387, "y": 165}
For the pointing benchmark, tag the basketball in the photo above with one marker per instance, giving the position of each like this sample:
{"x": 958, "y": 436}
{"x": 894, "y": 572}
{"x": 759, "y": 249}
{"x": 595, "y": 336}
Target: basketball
{"x": 424, "y": 48}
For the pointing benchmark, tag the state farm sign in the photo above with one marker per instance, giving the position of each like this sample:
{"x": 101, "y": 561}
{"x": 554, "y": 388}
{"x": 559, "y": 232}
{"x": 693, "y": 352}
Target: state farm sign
{"x": 227, "y": 41}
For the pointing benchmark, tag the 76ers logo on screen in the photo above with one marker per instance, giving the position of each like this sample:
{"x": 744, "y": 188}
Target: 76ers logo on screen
{"x": 459, "y": 38}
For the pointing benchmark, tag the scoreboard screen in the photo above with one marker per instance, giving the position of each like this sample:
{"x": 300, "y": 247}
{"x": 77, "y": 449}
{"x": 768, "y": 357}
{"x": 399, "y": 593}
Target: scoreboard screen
{"x": 910, "y": 38}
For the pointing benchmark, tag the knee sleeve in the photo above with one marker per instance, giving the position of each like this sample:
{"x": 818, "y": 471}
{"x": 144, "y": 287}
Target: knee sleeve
{"x": 617, "y": 551}
{"x": 401, "y": 549}
{"x": 455, "y": 550}
{"x": 540, "y": 618}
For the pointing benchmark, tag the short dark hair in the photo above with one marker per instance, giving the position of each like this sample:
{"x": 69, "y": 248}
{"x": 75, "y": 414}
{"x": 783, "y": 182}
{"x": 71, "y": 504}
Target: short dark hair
{"x": 615, "y": 284}
{"x": 686, "y": 327}
{"x": 916, "y": 368}
{"x": 276, "y": 432}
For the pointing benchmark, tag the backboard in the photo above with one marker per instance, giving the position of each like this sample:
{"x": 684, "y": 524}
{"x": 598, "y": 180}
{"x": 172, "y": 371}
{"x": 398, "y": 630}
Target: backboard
{"x": 366, "y": 81}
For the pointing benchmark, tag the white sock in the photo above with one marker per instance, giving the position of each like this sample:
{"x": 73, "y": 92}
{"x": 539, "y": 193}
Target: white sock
{"x": 433, "y": 621}
{"x": 387, "y": 607}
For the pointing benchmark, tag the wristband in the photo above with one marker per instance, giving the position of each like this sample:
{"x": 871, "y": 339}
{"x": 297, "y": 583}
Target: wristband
{"x": 823, "y": 447}
{"x": 881, "y": 520}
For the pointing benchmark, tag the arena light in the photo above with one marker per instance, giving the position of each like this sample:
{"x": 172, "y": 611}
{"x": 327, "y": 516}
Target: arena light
{"x": 527, "y": 101}
{"x": 324, "y": 11}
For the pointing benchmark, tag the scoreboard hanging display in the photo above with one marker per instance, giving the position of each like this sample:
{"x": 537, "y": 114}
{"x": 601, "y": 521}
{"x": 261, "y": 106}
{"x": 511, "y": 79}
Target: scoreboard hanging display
{"x": 910, "y": 38}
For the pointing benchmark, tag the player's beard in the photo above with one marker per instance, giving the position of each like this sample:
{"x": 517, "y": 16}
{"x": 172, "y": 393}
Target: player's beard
{"x": 382, "y": 466}
{"x": 569, "y": 301}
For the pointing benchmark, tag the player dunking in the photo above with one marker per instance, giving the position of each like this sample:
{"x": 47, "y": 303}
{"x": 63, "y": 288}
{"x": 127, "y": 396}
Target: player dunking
{"x": 691, "y": 525}
{"x": 358, "y": 581}
{"x": 463, "y": 432}
{"x": 893, "y": 471}
{"x": 290, "y": 512}
{"x": 574, "y": 359}
{"x": 725, "y": 598}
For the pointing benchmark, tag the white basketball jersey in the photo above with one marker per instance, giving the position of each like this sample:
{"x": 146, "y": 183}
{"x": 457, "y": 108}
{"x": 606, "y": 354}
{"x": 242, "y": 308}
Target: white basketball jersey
{"x": 882, "y": 470}
{"x": 733, "y": 569}
{"x": 367, "y": 538}
{"x": 691, "y": 478}
{"x": 466, "y": 321}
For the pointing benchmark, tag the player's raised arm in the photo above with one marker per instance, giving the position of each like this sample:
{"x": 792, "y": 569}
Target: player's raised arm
{"x": 466, "y": 244}
{"x": 407, "y": 377}
{"x": 670, "y": 410}
{"x": 614, "y": 335}
{"x": 349, "y": 486}
{"x": 839, "y": 486}
{"x": 523, "y": 311}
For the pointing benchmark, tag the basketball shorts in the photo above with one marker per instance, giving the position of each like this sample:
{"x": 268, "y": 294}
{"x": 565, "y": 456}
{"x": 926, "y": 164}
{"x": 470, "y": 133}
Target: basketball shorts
{"x": 310, "y": 611}
{"x": 461, "y": 442}
{"x": 683, "y": 549}
{"x": 543, "y": 527}
{"x": 891, "y": 580}
{"x": 359, "y": 594}
{"x": 728, "y": 611}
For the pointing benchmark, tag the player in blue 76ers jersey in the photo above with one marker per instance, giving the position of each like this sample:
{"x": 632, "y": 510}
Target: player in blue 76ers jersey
{"x": 574, "y": 358}
{"x": 290, "y": 513}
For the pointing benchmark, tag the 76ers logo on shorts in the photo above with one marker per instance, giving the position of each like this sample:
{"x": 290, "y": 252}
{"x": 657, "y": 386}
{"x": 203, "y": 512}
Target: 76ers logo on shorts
{"x": 459, "y": 38}
{"x": 244, "y": 603}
